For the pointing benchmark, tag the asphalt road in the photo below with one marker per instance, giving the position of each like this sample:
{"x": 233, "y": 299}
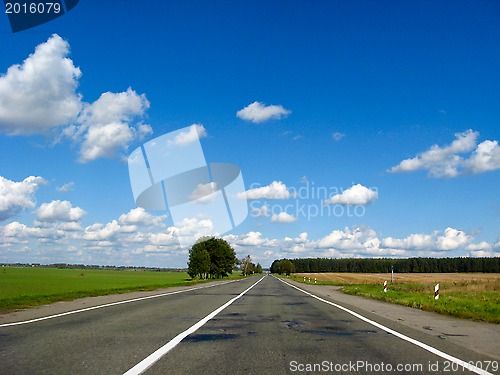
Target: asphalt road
{"x": 271, "y": 329}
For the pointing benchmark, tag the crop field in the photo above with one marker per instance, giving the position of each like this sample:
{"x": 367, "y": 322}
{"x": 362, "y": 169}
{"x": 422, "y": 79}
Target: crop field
{"x": 23, "y": 287}
{"x": 464, "y": 295}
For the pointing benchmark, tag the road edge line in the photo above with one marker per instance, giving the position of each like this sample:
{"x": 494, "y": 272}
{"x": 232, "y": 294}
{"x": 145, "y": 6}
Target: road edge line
{"x": 22, "y": 322}
{"x": 458, "y": 361}
{"x": 154, "y": 357}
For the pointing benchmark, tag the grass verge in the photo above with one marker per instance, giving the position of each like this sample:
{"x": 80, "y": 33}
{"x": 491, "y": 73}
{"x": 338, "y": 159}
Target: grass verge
{"x": 22, "y": 288}
{"x": 481, "y": 306}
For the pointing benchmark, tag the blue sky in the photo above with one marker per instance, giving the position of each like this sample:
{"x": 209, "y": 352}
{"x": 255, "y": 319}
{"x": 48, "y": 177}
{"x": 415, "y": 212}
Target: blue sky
{"x": 388, "y": 111}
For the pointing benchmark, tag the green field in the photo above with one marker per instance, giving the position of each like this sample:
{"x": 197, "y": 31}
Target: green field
{"x": 23, "y": 287}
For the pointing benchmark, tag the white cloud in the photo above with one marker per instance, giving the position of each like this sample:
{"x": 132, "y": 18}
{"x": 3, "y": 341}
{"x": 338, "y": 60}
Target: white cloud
{"x": 276, "y": 190}
{"x": 59, "y": 211}
{"x": 100, "y": 232}
{"x": 482, "y": 246}
{"x": 251, "y": 239}
{"x": 283, "y": 217}
{"x": 137, "y": 236}
{"x": 17, "y": 196}
{"x": 416, "y": 241}
{"x": 452, "y": 239}
{"x": 348, "y": 239}
{"x": 355, "y": 195}
{"x": 40, "y": 93}
{"x": 189, "y": 230}
{"x": 486, "y": 157}
{"x": 446, "y": 162}
{"x": 195, "y": 132}
{"x": 259, "y": 112}
{"x": 107, "y": 125}
{"x": 66, "y": 187}
{"x": 204, "y": 193}
{"x": 337, "y": 136}
{"x": 139, "y": 216}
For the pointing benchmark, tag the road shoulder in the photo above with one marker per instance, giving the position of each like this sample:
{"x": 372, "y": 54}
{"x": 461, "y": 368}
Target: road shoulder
{"x": 88, "y": 302}
{"x": 479, "y": 337}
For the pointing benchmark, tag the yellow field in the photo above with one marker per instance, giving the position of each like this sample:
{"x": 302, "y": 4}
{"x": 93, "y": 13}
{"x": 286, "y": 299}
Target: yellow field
{"x": 480, "y": 282}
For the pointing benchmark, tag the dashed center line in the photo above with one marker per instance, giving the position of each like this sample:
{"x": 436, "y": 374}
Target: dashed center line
{"x": 156, "y": 356}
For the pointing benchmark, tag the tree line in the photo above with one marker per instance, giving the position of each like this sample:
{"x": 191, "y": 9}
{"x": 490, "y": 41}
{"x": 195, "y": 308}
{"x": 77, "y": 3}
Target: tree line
{"x": 382, "y": 265}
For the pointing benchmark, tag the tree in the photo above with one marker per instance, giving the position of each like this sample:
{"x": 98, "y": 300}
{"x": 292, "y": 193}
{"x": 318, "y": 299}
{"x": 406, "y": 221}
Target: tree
{"x": 276, "y": 266}
{"x": 258, "y": 269}
{"x": 283, "y": 266}
{"x": 222, "y": 257}
{"x": 247, "y": 267}
{"x": 199, "y": 261}
{"x": 287, "y": 267}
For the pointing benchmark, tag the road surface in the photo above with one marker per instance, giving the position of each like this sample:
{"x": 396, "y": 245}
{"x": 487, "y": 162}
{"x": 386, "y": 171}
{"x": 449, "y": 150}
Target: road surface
{"x": 259, "y": 325}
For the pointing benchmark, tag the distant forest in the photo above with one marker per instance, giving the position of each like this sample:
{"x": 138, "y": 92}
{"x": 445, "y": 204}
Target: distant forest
{"x": 409, "y": 265}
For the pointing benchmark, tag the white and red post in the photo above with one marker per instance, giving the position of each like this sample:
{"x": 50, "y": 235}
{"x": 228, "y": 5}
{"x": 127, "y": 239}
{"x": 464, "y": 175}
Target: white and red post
{"x": 385, "y": 286}
{"x": 436, "y": 291}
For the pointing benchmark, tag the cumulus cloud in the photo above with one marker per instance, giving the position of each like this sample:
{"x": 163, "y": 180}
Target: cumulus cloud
{"x": 486, "y": 157}
{"x": 337, "y": 136}
{"x": 138, "y": 235}
{"x": 446, "y": 162}
{"x": 59, "y": 211}
{"x": 139, "y": 216}
{"x": 417, "y": 241}
{"x": 283, "y": 217}
{"x": 355, "y": 195}
{"x": 203, "y": 193}
{"x": 360, "y": 238}
{"x": 66, "y": 187}
{"x": 195, "y": 132}
{"x": 109, "y": 125}
{"x": 18, "y": 196}
{"x": 190, "y": 229}
{"x": 452, "y": 239}
{"x": 101, "y": 232}
{"x": 259, "y": 112}
{"x": 40, "y": 93}
{"x": 276, "y": 190}
{"x": 251, "y": 239}
{"x": 18, "y": 231}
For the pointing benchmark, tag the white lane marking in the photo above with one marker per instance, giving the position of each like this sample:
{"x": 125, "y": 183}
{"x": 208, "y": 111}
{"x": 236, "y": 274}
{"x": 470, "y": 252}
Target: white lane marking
{"x": 459, "y": 362}
{"x": 154, "y": 357}
{"x": 108, "y": 305}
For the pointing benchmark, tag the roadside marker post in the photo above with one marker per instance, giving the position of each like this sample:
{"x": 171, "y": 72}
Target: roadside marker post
{"x": 385, "y": 286}
{"x": 436, "y": 291}
{"x": 314, "y": 280}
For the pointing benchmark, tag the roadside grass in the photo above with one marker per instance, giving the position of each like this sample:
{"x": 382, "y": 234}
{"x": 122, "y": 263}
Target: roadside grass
{"x": 24, "y": 287}
{"x": 468, "y": 296}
